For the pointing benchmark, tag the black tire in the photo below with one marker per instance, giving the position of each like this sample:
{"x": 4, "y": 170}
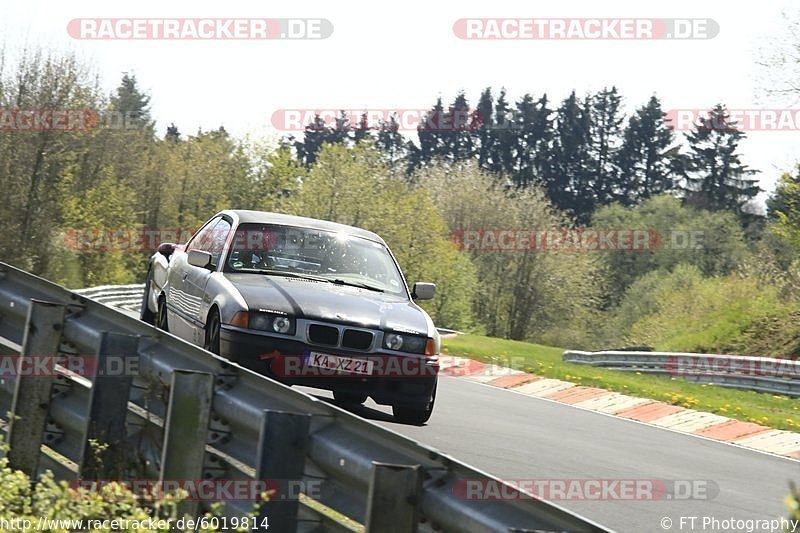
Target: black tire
{"x": 212, "y": 332}
{"x": 161, "y": 316}
{"x": 414, "y": 415}
{"x": 146, "y": 315}
{"x": 349, "y": 397}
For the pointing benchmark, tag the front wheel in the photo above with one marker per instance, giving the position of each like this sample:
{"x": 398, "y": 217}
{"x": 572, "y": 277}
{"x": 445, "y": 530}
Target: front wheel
{"x": 414, "y": 415}
{"x": 146, "y": 315}
{"x": 212, "y": 333}
{"x": 161, "y": 316}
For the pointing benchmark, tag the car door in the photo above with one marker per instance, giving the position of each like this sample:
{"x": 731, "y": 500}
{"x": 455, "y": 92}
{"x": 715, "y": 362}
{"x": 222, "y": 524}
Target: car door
{"x": 196, "y": 279}
{"x": 180, "y": 305}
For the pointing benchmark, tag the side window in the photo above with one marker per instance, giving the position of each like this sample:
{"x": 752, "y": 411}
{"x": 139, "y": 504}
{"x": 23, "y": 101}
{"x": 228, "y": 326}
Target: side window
{"x": 216, "y": 242}
{"x": 200, "y": 240}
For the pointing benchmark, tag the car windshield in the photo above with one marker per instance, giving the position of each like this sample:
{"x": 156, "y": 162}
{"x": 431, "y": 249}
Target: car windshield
{"x": 316, "y": 254}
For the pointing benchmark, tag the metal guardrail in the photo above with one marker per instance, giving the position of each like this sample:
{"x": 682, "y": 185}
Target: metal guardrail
{"x": 762, "y": 374}
{"x": 241, "y": 426}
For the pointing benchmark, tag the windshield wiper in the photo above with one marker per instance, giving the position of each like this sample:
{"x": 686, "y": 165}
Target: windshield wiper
{"x": 284, "y": 273}
{"x": 336, "y": 281}
{"x": 355, "y": 284}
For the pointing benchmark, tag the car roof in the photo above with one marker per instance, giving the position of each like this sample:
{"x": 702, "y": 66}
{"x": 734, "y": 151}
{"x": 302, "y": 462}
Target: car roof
{"x": 246, "y": 216}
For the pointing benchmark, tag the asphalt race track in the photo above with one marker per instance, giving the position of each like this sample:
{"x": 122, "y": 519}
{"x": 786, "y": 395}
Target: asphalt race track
{"x": 518, "y": 437}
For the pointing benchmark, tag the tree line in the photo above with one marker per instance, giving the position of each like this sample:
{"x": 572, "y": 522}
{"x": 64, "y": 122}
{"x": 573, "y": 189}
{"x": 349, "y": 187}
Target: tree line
{"x": 584, "y": 152}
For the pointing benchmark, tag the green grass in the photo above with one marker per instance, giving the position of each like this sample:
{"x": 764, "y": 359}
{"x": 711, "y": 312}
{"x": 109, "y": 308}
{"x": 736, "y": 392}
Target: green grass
{"x": 779, "y": 412}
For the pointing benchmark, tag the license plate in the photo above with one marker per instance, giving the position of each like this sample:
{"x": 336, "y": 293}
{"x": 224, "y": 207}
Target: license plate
{"x": 338, "y": 363}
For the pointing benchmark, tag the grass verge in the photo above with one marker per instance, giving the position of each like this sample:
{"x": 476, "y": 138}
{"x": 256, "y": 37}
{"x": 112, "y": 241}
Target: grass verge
{"x": 780, "y": 412}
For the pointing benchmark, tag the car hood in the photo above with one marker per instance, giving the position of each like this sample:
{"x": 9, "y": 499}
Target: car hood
{"x": 332, "y": 303}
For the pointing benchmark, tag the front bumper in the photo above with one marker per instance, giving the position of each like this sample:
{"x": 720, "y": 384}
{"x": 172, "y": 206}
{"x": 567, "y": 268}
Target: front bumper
{"x": 404, "y": 380}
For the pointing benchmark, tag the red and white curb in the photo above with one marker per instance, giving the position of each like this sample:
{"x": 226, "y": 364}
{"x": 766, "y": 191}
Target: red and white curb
{"x": 674, "y": 417}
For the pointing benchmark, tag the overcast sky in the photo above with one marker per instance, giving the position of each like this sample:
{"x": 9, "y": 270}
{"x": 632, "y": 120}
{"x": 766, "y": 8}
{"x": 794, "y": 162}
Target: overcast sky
{"x": 405, "y": 54}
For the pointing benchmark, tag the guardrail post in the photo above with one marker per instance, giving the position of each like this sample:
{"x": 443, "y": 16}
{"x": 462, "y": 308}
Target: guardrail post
{"x": 282, "y": 448}
{"x": 393, "y": 499}
{"x": 31, "y": 402}
{"x": 108, "y": 406}
{"x": 186, "y": 432}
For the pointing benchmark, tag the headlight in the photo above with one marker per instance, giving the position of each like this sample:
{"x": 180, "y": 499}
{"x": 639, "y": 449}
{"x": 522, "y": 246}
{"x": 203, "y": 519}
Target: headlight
{"x": 393, "y": 341}
{"x": 260, "y": 321}
{"x": 404, "y": 343}
{"x": 269, "y": 322}
{"x": 282, "y": 324}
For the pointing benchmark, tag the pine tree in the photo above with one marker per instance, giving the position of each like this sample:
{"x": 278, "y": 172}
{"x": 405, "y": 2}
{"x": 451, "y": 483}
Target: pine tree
{"x": 647, "y": 159}
{"x": 389, "y": 140}
{"x": 172, "y": 133}
{"x": 484, "y": 127}
{"x": 459, "y": 142}
{"x": 524, "y": 170}
{"x": 363, "y": 129}
{"x": 502, "y": 150}
{"x": 340, "y": 133}
{"x": 413, "y": 157}
{"x": 534, "y": 132}
{"x": 432, "y": 142}
{"x": 714, "y": 176}
{"x": 570, "y": 183}
{"x": 544, "y": 129}
{"x": 606, "y": 126}
{"x": 314, "y": 135}
{"x": 131, "y": 103}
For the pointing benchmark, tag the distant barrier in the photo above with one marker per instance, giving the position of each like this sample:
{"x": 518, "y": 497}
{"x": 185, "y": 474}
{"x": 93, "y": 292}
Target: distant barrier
{"x": 762, "y": 374}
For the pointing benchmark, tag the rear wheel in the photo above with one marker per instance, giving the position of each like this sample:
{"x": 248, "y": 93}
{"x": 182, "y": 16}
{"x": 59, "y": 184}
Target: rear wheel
{"x": 414, "y": 415}
{"x": 212, "y": 333}
{"x": 349, "y": 397}
{"x": 161, "y": 316}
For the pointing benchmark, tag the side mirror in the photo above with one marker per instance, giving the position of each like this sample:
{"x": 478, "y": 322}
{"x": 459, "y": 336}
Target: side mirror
{"x": 199, "y": 258}
{"x": 166, "y": 249}
{"x": 423, "y": 291}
